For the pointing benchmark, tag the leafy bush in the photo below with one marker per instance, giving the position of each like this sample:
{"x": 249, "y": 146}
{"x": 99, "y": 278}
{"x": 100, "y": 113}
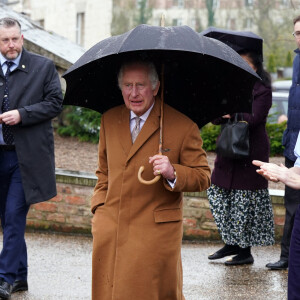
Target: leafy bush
{"x": 275, "y": 132}
{"x": 289, "y": 59}
{"x": 80, "y": 122}
{"x": 210, "y": 132}
{"x": 271, "y": 65}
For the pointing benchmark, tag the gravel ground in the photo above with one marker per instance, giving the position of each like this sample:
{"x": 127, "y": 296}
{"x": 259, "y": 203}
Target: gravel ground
{"x": 71, "y": 154}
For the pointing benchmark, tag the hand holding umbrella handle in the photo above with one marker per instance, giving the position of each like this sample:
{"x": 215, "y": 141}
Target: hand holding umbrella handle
{"x": 141, "y": 180}
{"x": 156, "y": 178}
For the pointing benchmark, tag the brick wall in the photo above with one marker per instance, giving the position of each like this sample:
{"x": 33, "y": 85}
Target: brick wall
{"x": 69, "y": 211}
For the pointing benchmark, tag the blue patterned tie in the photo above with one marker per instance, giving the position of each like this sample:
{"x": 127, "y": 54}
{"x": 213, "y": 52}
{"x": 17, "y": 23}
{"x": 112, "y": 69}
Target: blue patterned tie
{"x": 6, "y": 129}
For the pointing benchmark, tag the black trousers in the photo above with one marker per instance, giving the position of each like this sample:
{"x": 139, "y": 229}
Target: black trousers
{"x": 291, "y": 202}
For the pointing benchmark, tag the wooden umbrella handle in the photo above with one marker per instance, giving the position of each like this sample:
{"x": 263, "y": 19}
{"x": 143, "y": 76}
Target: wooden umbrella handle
{"x": 141, "y": 180}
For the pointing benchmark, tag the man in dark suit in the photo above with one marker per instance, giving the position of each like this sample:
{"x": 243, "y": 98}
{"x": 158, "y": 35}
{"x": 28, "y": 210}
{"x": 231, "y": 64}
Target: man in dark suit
{"x": 30, "y": 96}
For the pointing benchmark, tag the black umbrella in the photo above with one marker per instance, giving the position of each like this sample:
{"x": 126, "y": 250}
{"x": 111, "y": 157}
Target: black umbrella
{"x": 203, "y": 78}
{"x": 237, "y": 40}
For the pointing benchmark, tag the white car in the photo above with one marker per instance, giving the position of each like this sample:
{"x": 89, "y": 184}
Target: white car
{"x": 281, "y": 85}
{"x": 279, "y": 109}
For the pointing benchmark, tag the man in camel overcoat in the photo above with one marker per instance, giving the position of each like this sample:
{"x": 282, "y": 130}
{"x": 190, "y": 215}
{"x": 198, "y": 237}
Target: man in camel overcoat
{"x": 137, "y": 228}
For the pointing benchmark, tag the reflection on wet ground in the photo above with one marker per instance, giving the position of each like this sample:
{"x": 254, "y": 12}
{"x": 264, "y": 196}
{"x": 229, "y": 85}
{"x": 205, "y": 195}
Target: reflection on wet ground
{"x": 60, "y": 268}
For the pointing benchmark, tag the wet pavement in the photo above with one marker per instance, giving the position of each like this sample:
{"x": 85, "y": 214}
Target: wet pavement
{"x": 60, "y": 268}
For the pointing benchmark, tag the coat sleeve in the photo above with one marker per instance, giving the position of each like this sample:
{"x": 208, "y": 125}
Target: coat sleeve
{"x": 47, "y": 104}
{"x": 100, "y": 189}
{"x": 193, "y": 172}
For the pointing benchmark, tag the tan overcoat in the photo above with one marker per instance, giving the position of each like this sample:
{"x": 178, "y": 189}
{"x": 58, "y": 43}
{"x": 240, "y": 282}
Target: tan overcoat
{"x": 137, "y": 229}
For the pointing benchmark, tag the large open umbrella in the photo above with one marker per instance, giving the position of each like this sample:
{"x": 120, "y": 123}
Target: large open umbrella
{"x": 237, "y": 40}
{"x": 203, "y": 78}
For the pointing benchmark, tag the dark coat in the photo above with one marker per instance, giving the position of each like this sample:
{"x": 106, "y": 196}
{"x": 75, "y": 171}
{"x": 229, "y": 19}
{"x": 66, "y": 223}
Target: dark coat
{"x": 35, "y": 90}
{"x": 293, "y": 124}
{"x": 241, "y": 174}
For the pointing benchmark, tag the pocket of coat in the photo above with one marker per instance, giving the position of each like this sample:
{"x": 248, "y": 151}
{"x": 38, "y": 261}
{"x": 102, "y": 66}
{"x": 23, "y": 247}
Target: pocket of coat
{"x": 168, "y": 215}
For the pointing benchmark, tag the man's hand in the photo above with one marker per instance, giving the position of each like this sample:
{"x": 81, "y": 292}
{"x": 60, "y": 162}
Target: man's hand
{"x": 271, "y": 171}
{"x": 162, "y": 165}
{"x": 11, "y": 117}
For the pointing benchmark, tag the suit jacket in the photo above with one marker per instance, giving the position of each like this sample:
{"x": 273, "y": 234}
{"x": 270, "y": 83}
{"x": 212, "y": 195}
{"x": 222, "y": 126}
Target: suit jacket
{"x": 35, "y": 91}
{"x": 137, "y": 229}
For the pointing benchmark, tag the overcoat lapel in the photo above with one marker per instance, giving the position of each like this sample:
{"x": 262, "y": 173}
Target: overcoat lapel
{"x": 150, "y": 126}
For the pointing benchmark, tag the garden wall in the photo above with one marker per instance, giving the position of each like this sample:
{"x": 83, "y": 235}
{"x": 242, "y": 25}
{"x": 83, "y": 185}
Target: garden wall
{"x": 69, "y": 211}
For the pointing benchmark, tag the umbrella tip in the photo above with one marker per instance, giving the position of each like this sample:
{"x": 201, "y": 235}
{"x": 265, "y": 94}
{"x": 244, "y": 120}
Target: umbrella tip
{"x": 162, "y": 20}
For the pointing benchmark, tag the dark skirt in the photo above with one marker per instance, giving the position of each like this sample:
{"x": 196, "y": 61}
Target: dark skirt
{"x": 243, "y": 217}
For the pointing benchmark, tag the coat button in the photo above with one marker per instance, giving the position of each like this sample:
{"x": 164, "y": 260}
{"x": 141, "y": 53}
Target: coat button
{"x": 1, "y": 83}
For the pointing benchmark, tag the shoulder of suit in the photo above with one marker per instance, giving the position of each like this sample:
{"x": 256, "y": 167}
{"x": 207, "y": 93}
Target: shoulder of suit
{"x": 115, "y": 111}
{"x": 37, "y": 57}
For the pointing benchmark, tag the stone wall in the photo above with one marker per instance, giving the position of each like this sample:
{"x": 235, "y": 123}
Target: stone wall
{"x": 69, "y": 211}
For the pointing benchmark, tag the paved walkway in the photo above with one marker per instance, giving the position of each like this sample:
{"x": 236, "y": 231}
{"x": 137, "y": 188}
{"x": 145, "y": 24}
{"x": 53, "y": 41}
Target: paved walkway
{"x": 60, "y": 269}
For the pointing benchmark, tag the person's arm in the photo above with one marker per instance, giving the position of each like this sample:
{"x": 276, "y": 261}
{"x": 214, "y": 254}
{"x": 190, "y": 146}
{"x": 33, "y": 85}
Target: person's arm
{"x": 273, "y": 172}
{"x": 192, "y": 173}
{"x": 48, "y": 103}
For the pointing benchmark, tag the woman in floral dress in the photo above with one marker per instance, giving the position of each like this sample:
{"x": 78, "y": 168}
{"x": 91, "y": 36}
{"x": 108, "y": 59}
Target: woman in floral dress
{"x": 239, "y": 197}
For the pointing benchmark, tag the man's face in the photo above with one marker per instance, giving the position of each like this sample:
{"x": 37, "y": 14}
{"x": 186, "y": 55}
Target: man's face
{"x": 297, "y": 30}
{"x": 11, "y": 42}
{"x": 136, "y": 88}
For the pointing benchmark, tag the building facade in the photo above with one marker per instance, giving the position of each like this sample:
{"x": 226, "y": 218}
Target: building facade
{"x": 84, "y": 22}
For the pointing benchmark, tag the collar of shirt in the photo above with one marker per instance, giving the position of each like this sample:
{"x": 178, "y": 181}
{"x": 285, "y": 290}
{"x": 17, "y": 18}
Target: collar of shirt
{"x": 3, "y": 60}
{"x": 143, "y": 118}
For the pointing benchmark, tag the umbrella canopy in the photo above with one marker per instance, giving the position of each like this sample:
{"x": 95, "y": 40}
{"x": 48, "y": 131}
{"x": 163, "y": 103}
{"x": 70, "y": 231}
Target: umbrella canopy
{"x": 237, "y": 40}
{"x": 203, "y": 78}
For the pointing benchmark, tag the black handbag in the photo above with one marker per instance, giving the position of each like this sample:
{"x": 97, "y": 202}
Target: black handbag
{"x": 233, "y": 141}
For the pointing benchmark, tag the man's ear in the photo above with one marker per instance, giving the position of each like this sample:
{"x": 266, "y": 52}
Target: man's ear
{"x": 155, "y": 91}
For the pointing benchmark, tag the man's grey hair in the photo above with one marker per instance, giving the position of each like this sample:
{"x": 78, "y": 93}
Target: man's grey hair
{"x": 153, "y": 76}
{"x": 9, "y": 22}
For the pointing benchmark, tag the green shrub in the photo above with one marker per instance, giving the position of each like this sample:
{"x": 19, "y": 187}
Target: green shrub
{"x": 80, "y": 122}
{"x": 210, "y": 132}
{"x": 289, "y": 59}
{"x": 275, "y": 132}
{"x": 271, "y": 65}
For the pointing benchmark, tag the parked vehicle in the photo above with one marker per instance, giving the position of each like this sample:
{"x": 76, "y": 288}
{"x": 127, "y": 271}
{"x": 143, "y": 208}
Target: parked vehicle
{"x": 281, "y": 85}
{"x": 279, "y": 109}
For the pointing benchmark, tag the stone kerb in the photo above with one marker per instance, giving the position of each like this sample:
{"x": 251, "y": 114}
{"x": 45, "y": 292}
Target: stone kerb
{"x": 69, "y": 211}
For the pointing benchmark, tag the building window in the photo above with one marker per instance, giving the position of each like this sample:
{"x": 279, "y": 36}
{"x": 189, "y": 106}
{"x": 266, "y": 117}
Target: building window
{"x": 248, "y": 23}
{"x": 80, "y": 29}
{"x": 177, "y": 22}
{"x": 178, "y": 3}
{"x": 216, "y": 3}
{"x": 249, "y": 2}
{"x": 231, "y": 24}
{"x": 40, "y": 22}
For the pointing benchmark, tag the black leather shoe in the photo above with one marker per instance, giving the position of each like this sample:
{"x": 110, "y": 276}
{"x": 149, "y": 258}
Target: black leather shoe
{"x": 279, "y": 265}
{"x": 222, "y": 253}
{"x": 19, "y": 286}
{"x": 5, "y": 289}
{"x": 237, "y": 260}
